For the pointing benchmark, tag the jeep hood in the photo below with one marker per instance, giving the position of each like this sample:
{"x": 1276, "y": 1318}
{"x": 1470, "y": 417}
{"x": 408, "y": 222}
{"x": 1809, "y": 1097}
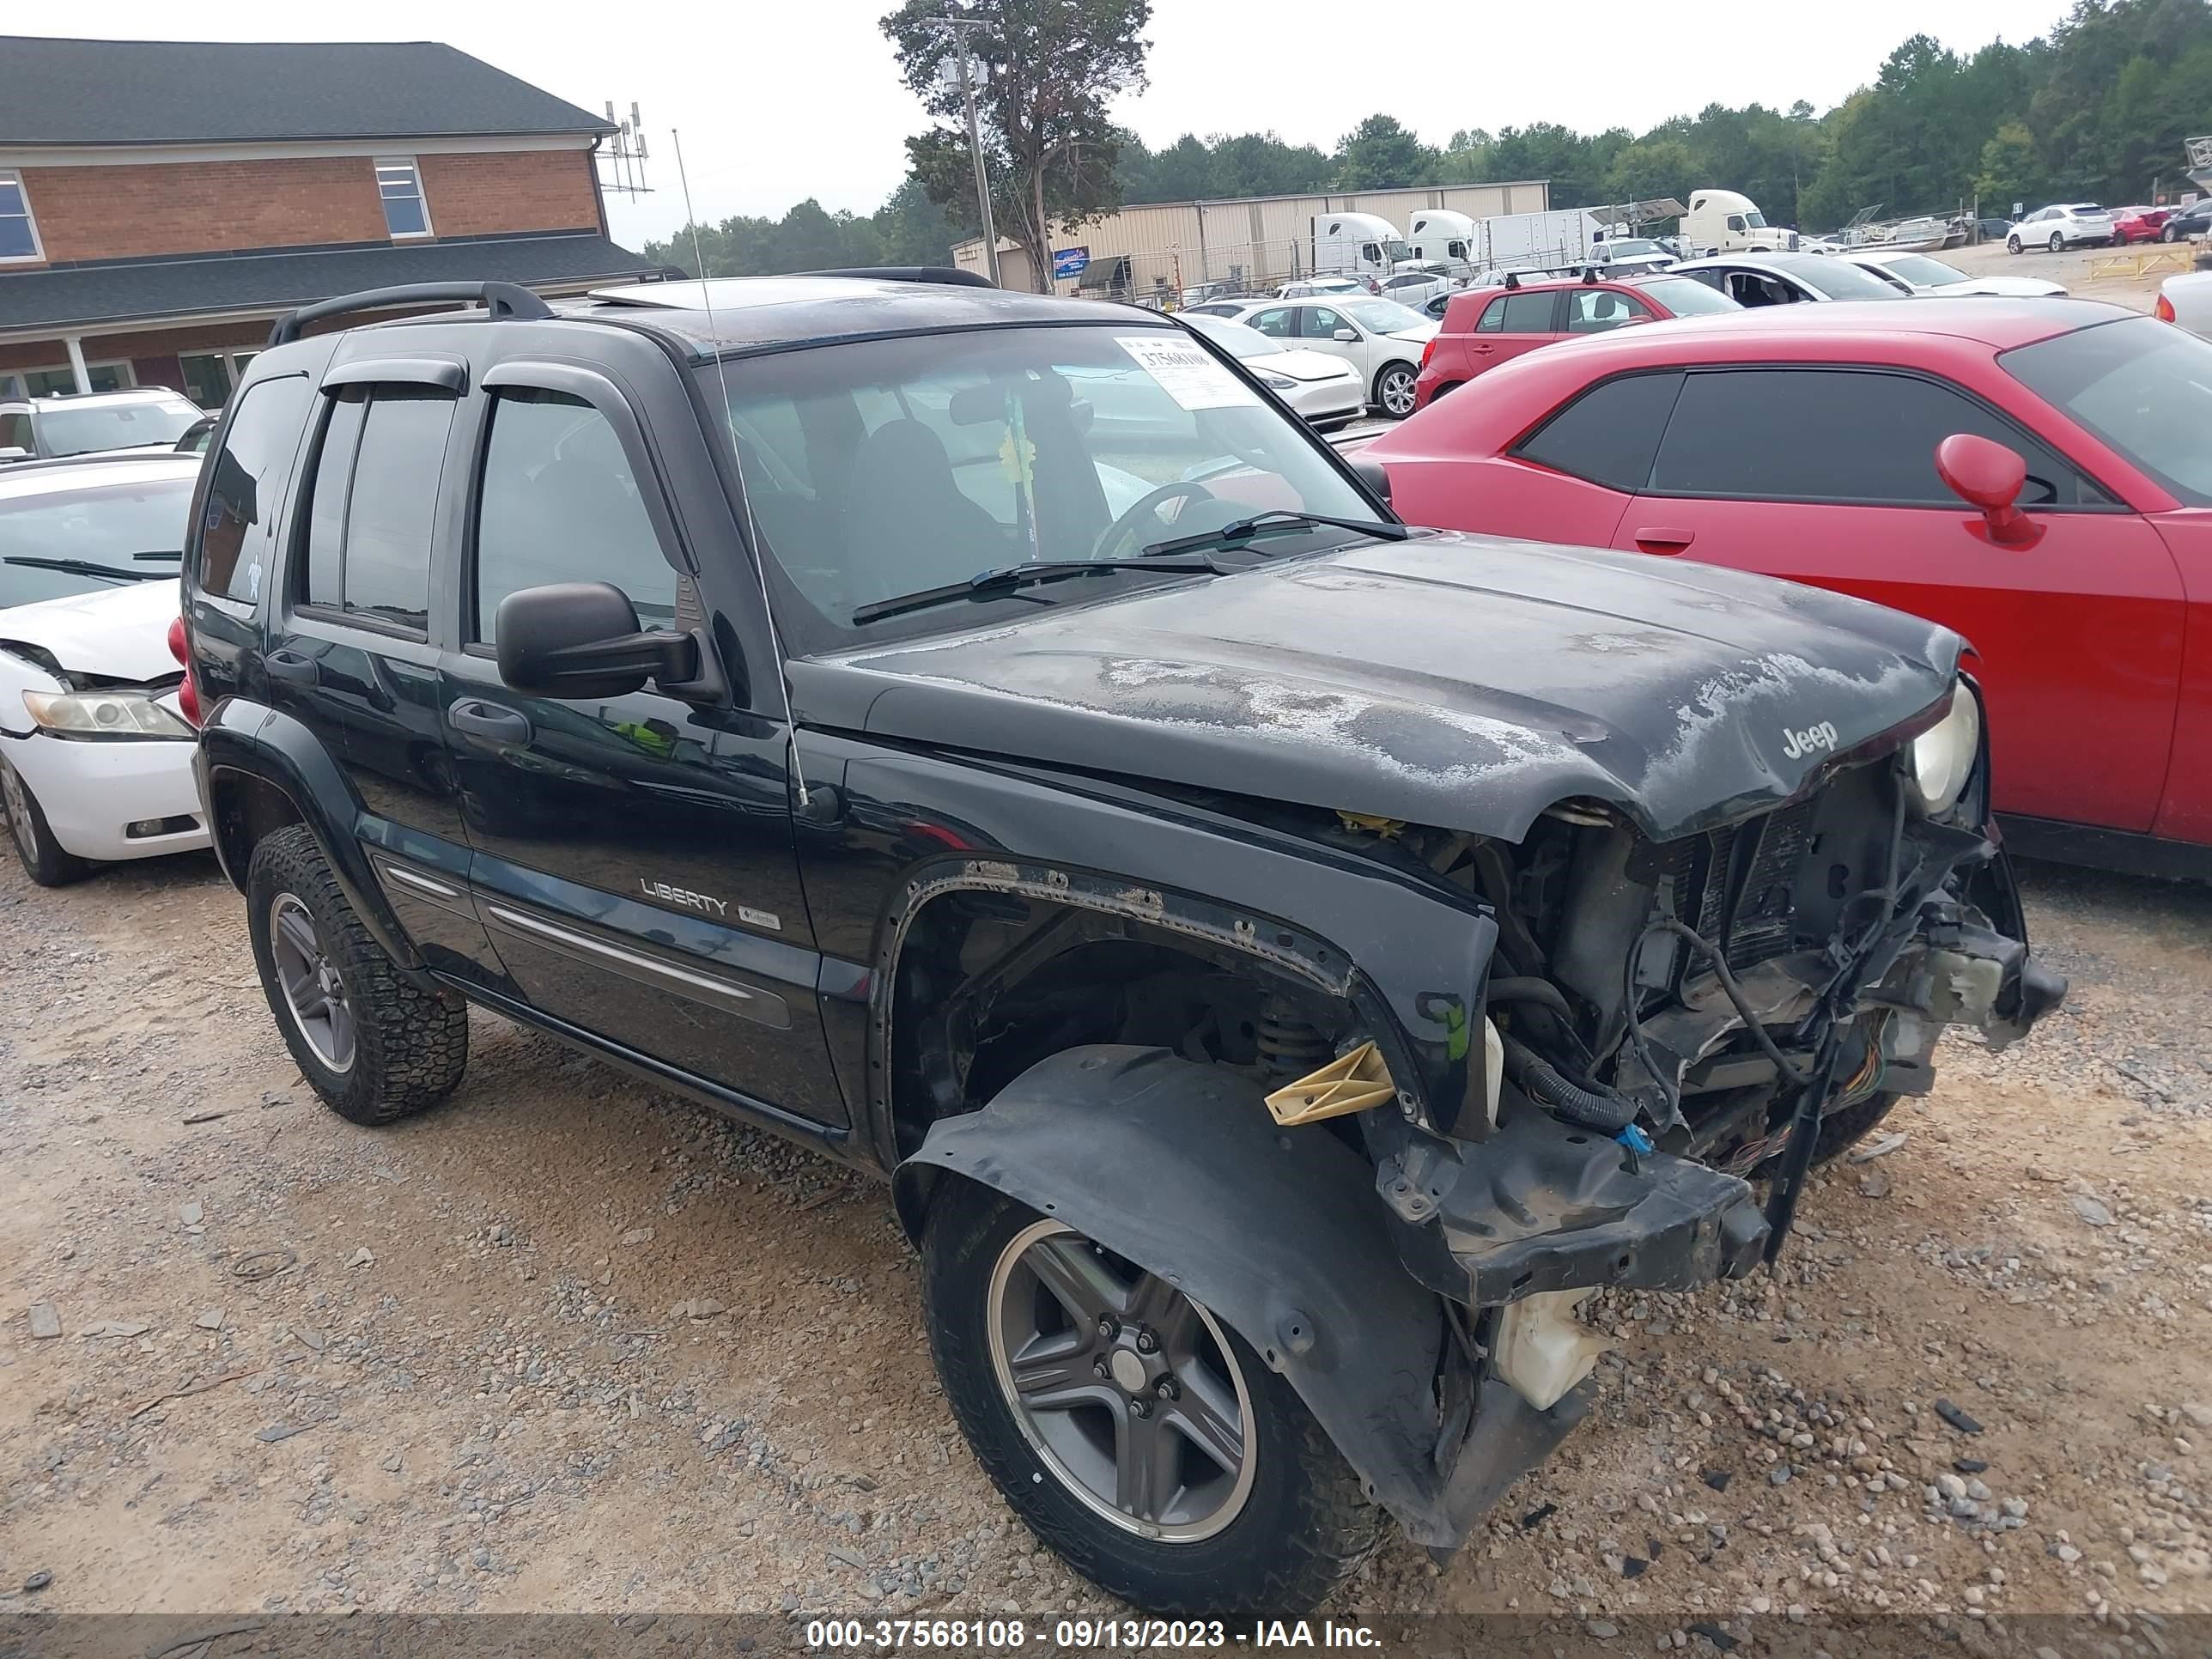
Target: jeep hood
{"x": 1467, "y": 682}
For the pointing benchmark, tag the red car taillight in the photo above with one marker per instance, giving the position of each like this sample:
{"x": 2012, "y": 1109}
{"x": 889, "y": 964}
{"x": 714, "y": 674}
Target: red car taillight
{"x": 1428, "y": 351}
{"x": 188, "y": 694}
{"x": 2164, "y": 309}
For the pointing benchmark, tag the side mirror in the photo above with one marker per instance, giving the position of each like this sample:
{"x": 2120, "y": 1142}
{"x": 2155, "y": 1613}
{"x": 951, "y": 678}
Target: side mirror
{"x": 1345, "y": 336}
{"x": 12, "y": 454}
{"x": 1987, "y": 476}
{"x": 1375, "y": 476}
{"x": 581, "y": 639}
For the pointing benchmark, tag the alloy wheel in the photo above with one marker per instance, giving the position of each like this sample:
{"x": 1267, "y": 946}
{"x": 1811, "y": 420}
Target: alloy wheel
{"x": 313, "y": 992}
{"x": 1127, "y": 1390}
{"x": 1397, "y": 392}
{"x": 19, "y": 812}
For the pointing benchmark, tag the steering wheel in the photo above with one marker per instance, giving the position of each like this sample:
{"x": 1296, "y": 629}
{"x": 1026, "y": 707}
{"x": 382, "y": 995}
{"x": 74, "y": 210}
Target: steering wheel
{"x": 1124, "y": 528}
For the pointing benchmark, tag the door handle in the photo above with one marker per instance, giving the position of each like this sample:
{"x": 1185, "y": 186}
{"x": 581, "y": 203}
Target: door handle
{"x": 292, "y": 668}
{"x": 489, "y": 720}
{"x": 1485, "y": 347}
{"x": 1658, "y": 538}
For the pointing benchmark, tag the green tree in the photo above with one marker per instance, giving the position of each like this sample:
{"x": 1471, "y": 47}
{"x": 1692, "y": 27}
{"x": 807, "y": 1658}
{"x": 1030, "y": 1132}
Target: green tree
{"x": 1381, "y": 154}
{"x": 1047, "y": 69}
{"x": 2007, "y": 168}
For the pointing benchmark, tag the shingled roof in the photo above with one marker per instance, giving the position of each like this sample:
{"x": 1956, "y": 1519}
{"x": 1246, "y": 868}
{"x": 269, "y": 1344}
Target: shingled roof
{"x": 202, "y": 92}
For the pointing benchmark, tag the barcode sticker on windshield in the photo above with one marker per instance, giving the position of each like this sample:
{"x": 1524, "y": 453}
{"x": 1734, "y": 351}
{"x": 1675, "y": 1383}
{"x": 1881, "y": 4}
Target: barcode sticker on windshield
{"x": 1185, "y": 371}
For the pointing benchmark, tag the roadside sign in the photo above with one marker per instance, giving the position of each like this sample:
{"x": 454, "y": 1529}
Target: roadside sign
{"x": 2019, "y": 208}
{"x": 1070, "y": 261}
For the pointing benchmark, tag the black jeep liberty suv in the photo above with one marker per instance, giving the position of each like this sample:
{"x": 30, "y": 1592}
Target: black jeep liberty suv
{"x": 1284, "y": 961}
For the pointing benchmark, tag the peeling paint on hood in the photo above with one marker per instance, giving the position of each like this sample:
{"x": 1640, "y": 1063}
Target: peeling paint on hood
{"x": 1463, "y": 681}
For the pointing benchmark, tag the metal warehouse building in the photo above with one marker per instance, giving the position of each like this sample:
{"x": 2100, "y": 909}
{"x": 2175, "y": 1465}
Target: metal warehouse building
{"x": 1162, "y": 247}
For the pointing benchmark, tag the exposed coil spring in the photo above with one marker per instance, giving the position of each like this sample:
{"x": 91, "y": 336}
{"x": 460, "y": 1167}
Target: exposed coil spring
{"x": 1290, "y": 1046}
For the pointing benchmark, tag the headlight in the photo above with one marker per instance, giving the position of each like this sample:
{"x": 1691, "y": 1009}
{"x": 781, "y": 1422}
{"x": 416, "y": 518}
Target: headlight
{"x": 1942, "y": 757}
{"x": 103, "y": 714}
{"x": 1279, "y": 382}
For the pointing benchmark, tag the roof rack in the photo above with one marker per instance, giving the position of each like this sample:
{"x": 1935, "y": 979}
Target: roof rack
{"x": 944, "y": 274}
{"x": 503, "y": 299}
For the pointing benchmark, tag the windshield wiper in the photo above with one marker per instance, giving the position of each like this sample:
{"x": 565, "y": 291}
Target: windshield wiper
{"x": 1005, "y": 579}
{"x": 1276, "y": 521}
{"x": 86, "y": 567}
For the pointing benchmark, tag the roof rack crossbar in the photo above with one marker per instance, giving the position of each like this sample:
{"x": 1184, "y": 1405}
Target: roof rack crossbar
{"x": 947, "y": 274}
{"x": 503, "y": 299}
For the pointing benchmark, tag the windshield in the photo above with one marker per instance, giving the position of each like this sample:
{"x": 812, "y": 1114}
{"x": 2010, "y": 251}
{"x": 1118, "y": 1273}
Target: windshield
{"x": 1393, "y": 250}
{"x": 1755, "y": 219}
{"x": 2142, "y": 386}
{"x": 1237, "y": 340}
{"x": 1840, "y": 279}
{"x": 64, "y": 430}
{"x": 878, "y": 469}
{"x": 102, "y": 524}
{"x": 1923, "y": 273}
{"x": 1624, "y": 247}
{"x": 1383, "y": 316}
{"x": 1687, "y": 297}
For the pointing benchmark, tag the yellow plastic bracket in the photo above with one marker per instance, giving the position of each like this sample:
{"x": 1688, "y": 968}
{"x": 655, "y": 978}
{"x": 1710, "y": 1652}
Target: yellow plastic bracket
{"x": 1351, "y": 1083}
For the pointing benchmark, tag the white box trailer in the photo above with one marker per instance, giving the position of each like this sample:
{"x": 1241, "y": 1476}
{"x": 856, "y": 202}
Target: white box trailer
{"x": 1467, "y": 246}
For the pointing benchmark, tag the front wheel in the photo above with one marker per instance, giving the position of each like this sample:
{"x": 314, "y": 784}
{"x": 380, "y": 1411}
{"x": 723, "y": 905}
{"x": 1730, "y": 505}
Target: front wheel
{"x": 2012, "y": 245}
{"x": 2057, "y": 243}
{"x": 36, "y": 850}
{"x": 1393, "y": 390}
{"x": 1136, "y": 1435}
{"x": 2168, "y": 234}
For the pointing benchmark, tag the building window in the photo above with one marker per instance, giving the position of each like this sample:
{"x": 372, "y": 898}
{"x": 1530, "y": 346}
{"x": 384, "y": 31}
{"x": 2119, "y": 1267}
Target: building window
{"x": 211, "y": 376}
{"x": 19, "y": 232}
{"x": 61, "y": 382}
{"x": 399, "y": 182}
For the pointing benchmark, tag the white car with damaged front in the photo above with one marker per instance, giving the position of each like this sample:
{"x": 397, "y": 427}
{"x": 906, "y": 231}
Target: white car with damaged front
{"x": 96, "y": 753}
{"x": 1920, "y": 274}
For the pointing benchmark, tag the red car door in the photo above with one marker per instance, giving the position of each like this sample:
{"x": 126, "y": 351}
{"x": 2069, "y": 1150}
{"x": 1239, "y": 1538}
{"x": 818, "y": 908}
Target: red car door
{"x": 1826, "y": 475}
{"x": 1517, "y": 321}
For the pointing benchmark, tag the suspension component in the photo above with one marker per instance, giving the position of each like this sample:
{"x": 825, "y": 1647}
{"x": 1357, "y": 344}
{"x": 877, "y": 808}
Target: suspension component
{"x": 1288, "y": 1045}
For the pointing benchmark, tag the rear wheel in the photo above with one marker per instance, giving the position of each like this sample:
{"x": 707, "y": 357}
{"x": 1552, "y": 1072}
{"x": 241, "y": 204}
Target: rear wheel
{"x": 375, "y": 1047}
{"x": 1136, "y": 1435}
{"x": 32, "y": 837}
{"x": 1393, "y": 390}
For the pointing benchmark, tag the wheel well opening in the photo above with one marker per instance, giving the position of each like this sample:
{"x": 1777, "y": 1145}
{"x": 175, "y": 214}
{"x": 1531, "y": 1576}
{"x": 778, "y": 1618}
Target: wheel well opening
{"x": 988, "y": 983}
{"x": 247, "y": 808}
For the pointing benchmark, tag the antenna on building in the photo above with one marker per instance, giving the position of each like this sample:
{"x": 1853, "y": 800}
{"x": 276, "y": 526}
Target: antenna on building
{"x": 625, "y": 154}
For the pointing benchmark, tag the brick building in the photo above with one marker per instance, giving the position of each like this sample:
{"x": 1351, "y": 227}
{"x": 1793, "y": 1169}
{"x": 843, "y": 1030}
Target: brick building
{"x": 162, "y": 202}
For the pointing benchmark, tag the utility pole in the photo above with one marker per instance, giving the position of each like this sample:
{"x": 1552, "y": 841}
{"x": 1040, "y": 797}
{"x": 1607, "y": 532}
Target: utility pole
{"x": 959, "y": 26}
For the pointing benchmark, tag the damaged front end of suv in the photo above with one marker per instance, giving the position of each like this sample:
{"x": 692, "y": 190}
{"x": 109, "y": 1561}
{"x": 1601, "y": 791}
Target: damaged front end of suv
{"x": 1547, "y": 1015}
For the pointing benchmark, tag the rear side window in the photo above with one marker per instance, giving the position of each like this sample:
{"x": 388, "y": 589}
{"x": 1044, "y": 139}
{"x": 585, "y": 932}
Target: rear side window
{"x": 375, "y": 496}
{"x": 560, "y": 505}
{"x": 1595, "y": 310}
{"x": 1493, "y": 317}
{"x": 245, "y": 485}
{"x": 1820, "y": 434}
{"x": 1610, "y": 434}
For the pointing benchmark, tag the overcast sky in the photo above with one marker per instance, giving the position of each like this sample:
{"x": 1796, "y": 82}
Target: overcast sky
{"x": 780, "y": 100}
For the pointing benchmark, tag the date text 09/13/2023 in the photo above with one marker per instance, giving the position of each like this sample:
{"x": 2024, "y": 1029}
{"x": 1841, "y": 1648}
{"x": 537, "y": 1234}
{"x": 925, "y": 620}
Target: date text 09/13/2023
{"x": 1011, "y": 1634}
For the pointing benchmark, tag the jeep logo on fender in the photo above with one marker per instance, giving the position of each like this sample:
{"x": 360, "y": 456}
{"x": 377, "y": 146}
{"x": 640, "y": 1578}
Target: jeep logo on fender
{"x": 1794, "y": 744}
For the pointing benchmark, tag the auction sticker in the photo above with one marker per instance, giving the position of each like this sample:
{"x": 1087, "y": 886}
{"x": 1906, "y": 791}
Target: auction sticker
{"x": 1185, "y": 372}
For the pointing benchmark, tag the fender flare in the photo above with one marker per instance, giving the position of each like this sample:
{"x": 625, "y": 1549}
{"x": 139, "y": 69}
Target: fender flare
{"x": 283, "y": 753}
{"x": 1178, "y": 1167}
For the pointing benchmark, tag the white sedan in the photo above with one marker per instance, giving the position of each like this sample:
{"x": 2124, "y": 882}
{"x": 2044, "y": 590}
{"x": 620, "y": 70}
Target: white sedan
{"x": 96, "y": 753}
{"x": 1380, "y": 338}
{"x": 2187, "y": 301}
{"x": 1324, "y": 389}
{"x": 1918, "y": 273}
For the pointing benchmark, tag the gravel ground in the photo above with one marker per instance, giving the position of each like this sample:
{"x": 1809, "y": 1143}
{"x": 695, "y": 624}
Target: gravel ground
{"x": 567, "y": 1344}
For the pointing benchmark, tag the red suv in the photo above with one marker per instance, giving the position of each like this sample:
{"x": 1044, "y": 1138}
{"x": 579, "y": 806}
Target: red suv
{"x": 1486, "y": 326}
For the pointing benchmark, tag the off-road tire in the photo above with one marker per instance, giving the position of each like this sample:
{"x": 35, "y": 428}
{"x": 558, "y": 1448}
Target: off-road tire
{"x": 1304, "y": 1528}
{"x": 43, "y": 860}
{"x": 410, "y": 1046}
{"x": 1839, "y": 1133}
